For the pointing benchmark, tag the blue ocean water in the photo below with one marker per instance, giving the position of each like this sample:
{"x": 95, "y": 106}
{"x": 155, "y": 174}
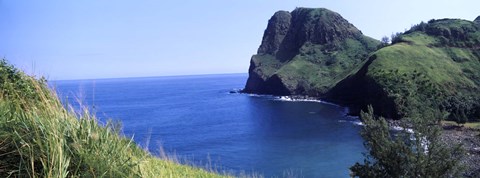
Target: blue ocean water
{"x": 197, "y": 119}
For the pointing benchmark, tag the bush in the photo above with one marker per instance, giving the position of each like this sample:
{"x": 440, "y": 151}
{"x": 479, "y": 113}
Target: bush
{"x": 396, "y": 37}
{"x": 409, "y": 153}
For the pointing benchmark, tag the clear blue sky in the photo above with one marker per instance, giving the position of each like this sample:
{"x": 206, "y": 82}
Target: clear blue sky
{"x": 78, "y": 39}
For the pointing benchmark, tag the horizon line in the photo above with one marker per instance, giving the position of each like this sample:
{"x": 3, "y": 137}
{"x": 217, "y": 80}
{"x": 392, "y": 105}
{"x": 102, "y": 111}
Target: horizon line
{"x": 133, "y": 77}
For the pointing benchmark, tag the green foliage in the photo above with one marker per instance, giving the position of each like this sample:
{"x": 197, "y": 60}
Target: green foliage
{"x": 422, "y": 74}
{"x": 420, "y": 153}
{"x": 40, "y": 138}
{"x": 10, "y": 77}
{"x": 451, "y": 32}
{"x": 422, "y": 26}
{"x": 460, "y": 108}
{"x": 265, "y": 65}
{"x": 316, "y": 68}
{"x": 385, "y": 41}
{"x": 396, "y": 37}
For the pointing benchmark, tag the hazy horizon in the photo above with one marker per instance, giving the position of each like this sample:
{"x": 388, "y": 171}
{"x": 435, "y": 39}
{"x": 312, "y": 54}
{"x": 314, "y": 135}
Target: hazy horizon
{"x": 69, "y": 40}
{"x": 156, "y": 76}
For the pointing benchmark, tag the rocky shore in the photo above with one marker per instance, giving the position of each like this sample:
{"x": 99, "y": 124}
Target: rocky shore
{"x": 470, "y": 140}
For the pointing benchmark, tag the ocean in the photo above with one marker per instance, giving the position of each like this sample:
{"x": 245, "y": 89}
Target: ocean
{"x": 201, "y": 122}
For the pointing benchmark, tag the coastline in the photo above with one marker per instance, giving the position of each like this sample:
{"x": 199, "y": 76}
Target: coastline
{"x": 300, "y": 98}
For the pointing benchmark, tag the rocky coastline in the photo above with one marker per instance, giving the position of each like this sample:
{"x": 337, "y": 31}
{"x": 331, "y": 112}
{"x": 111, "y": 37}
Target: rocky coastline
{"x": 469, "y": 138}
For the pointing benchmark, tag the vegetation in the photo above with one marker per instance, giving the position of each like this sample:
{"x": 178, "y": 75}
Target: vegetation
{"x": 430, "y": 68}
{"x": 315, "y": 69}
{"x": 40, "y": 138}
{"x": 409, "y": 153}
{"x": 385, "y": 41}
{"x": 471, "y": 125}
{"x": 320, "y": 67}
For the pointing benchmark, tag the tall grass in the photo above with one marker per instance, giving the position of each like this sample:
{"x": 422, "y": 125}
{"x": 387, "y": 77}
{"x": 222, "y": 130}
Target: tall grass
{"x": 39, "y": 137}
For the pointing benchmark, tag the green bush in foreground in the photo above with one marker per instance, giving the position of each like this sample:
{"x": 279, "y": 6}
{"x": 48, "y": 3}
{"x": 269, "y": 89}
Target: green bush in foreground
{"x": 40, "y": 138}
{"x": 409, "y": 153}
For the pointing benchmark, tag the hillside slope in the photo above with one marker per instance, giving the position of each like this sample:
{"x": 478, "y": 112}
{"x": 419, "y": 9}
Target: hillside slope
{"x": 432, "y": 67}
{"x": 306, "y": 52}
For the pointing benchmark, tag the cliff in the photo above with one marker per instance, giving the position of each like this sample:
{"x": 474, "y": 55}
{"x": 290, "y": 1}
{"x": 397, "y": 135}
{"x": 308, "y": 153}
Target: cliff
{"x": 306, "y": 52}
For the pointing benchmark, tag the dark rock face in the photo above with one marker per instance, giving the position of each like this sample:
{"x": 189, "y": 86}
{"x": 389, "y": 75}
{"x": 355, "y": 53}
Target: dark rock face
{"x": 323, "y": 27}
{"x": 276, "y": 30}
{"x": 305, "y": 52}
{"x": 259, "y": 84}
{"x": 477, "y": 20}
{"x": 358, "y": 91}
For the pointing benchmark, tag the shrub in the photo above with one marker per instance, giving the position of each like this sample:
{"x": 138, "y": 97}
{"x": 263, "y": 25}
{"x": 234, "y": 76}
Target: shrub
{"x": 409, "y": 153}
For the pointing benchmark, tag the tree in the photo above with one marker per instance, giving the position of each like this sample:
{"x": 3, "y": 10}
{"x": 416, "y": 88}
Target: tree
{"x": 396, "y": 37}
{"x": 460, "y": 117}
{"x": 415, "y": 152}
{"x": 385, "y": 40}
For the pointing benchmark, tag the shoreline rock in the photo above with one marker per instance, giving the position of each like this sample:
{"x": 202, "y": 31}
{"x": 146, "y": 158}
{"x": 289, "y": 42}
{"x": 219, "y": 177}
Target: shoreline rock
{"x": 470, "y": 140}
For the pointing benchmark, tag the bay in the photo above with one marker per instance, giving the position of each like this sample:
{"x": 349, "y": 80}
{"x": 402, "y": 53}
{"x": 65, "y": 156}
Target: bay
{"x": 198, "y": 120}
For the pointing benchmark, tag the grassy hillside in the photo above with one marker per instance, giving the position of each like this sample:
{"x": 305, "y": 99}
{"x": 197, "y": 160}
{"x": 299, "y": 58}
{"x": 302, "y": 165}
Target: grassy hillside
{"x": 40, "y": 138}
{"x": 317, "y": 68}
{"x": 432, "y": 67}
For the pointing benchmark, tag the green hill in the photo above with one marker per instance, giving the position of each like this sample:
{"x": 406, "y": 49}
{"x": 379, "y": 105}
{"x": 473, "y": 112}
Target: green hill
{"x": 306, "y": 52}
{"x": 430, "y": 68}
{"x": 40, "y": 138}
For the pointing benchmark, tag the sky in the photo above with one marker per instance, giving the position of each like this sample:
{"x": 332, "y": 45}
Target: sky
{"x": 88, "y": 39}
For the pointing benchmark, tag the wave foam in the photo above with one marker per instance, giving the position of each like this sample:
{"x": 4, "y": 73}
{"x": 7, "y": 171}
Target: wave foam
{"x": 398, "y": 128}
{"x": 358, "y": 122}
{"x": 288, "y": 98}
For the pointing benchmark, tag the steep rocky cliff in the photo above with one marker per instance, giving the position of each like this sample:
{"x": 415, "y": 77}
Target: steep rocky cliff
{"x": 306, "y": 52}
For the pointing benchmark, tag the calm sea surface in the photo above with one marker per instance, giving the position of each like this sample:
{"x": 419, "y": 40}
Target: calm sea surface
{"x": 198, "y": 120}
